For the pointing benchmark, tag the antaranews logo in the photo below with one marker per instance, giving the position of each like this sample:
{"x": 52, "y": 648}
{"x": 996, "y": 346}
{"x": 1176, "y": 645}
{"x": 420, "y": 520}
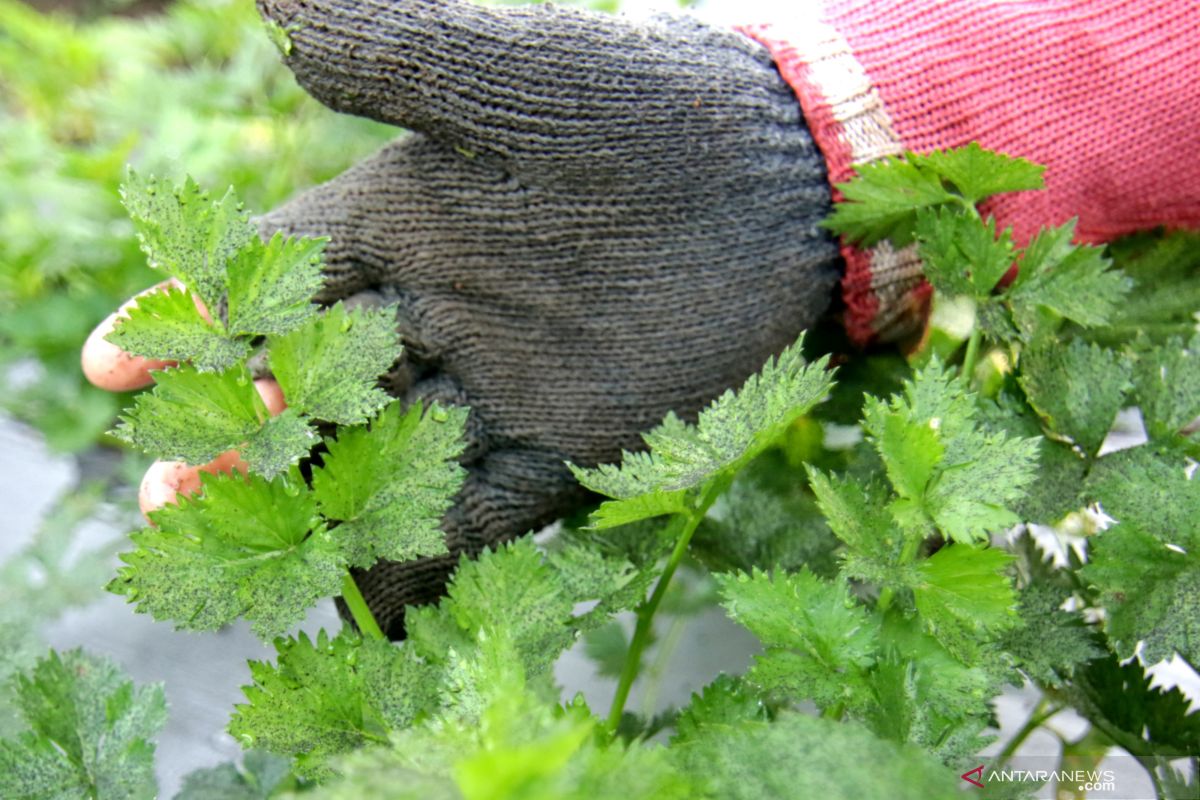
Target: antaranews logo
{"x": 1087, "y": 780}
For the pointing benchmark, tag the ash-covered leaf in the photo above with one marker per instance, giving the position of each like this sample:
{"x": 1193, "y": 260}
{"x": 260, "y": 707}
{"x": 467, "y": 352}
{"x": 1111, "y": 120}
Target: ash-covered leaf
{"x": 389, "y": 485}
{"x": 513, "y": 589}
{"x": 1050, "y": 644}
{"x": 802, "y": 756}
{"x": 1077, "y": 389}
{"x": 1147, "y": 567}
{"x": 1164, "y": 267}
{"x": 314, "y": 702}
{"x": 960, "y": 254}
{"x": 818, "y": 641}
{"x": 282, "y": 441}
{"x": 167, "y": 325}
{"x": 946, "y": 467}
{"x": 194, "y": 416}
{"x": 724, "y": 702}
{"x": 88, "y": 732}
{"x": 271, "y": 285}
{"x": 1072, "y": 281}
{"x": 245, "y": 548}
{"x": 186, "y": 234}
{"x": 1167, "y": 384}
{"x": 261, "y": 776}
{"x": 964, "y": 595}
{"x": 329, "y": 365}
{"x": 732, "y": 431}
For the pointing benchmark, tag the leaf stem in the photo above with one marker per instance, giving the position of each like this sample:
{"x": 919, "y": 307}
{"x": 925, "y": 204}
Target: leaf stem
{"x": 972, "y": 356}
{"x": 1041, "y": 712}
{"x": 907, "y": 554}
{"x": 646, "y": 611}
{"x": 359, "y": 609}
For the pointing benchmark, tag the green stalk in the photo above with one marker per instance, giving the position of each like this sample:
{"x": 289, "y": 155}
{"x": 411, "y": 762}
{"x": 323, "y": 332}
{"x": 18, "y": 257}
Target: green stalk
{"x": 1042, "y": 712}
{"x": 972, "y": 356}
{"x": 359, "y": 609}
{"x": 646, "y": 611}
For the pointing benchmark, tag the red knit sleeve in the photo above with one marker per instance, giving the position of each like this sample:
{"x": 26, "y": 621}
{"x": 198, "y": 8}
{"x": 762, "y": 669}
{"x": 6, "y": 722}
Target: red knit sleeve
{"x": 1105, "y": 93}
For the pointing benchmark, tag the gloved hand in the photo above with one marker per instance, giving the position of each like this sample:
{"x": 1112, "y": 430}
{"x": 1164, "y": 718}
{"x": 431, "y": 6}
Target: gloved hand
{"x": 595, "y": 221}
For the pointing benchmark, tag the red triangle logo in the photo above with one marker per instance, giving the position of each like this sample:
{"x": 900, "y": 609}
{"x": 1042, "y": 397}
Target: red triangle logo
{"x": 978, "y": 772}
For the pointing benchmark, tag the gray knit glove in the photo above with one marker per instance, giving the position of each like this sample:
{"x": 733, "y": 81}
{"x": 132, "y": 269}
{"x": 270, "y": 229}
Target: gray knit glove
{"x": 596, "y": 221}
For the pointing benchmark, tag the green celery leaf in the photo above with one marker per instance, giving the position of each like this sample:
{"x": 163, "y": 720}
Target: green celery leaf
{"x": 977, "y": 173}
{"x": 391, "y": 484}
{"x": 944, "y": 464}
{"x": 1050, "y": 644}
{"x": 766, "y": 519}
{"x": 964, "y": 595}
{"x": 1077, "y": 389}
{"x": 185, "y": 233}
{"x": 513, "y": 589}
{"x": 1074, "y": 282}
{"x": 88, "y": 732}
{"x": 261, "y": 777}
{"x": 1143, "y": 719}
{"x": 1147, "y": 568}
{"x": 1164, "y": 266}
{"x": 166, "y": 325}
{"x": 1167, "y": 381}
{"x": 732, "y": 431}
{"x": 314, "y": 702}
{"x": 271, "y": 285}
{"x": 281, "y": 441}
{"x": 608, "y": 648}
{"x": 818, "y": 641}
{"x": 882, "y": 200}
{"x": 725, "y": 701}
{"x": 923, "y": 695}
{"x": 633, "y": 509}
{"x": 194, "y": 416}
{"x": 327, "y": 367}
{"x": 960, "y": 254}
{"x": 246, "y": 547}
{"x": 801, "y": 756}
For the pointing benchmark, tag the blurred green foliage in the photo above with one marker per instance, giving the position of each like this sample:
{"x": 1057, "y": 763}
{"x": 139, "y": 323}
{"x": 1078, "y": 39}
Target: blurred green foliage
{"x": 197, "y": 88}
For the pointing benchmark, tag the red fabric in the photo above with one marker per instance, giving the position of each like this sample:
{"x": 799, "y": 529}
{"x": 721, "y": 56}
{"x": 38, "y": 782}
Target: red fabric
{"x": 1105, "y": 93}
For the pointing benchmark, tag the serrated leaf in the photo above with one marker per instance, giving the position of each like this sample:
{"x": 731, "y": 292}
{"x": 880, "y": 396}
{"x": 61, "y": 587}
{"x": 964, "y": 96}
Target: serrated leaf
{"x": 246, "y": 547}
{"x": 1050, "y": 644}
{"x": 271, "y": 285}
{"x": 962, "y": 255}
{"x": 185, "y": 233}
{"x": 194, "y": 416}
{"x": 88, "y": 734}
{"x": 1164, "y": 267}
{"x": 855, "y": 513}
{"x": 1147, "y": 567}
{"x": 391, "y": 484}
{"x": 645, "y": 506}
{"x": 729, "y": 433}
{"x": 1145, "y": 720}
{"x": 726, "y": 701}
{"x": 964, "y": 596}
{"x": 1073, "y": 282}
{"x": 978, "y": 173}
{"x": 1167, "y": 381}
{"x": 803, "y": 756}
{"x": 328, "y": 367}
{"x": 818, "y": 641}
{"x": 910, "y": 448}
{"x": 924, "y": 695}
{"x": 1077, "y": 389}
{"x": 166, "y": 325}
{"x": 882, "y": 200}
{"x": 260, "y": 777}
{"x": 282, "y": 441}
{"x": 313, "y": 703}
{"x": 511, "y": 589}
